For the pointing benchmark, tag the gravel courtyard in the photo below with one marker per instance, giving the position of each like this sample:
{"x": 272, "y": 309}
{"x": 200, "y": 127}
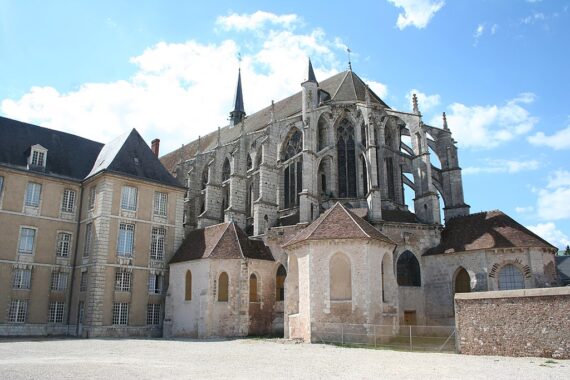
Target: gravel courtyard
{"x": 252, "y": 359}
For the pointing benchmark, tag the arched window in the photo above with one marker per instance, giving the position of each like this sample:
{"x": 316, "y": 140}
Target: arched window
{"x": 346, "y": 160}
{"x": 188, "y": 286}
{"x": 280, "y": 283}
{"x": 322, "y": 137}
{"x": 293, "y": 172}
{"x": 388, "y": 137}
{"x": 249, "y": 201}
{"x": 226, "y": 170}
{"x": 363, "y": 133}
{"x": 364, "y": 175}
{"x": 253, "y": 288}
{"x": 389, "y": 166}
{"x": 340, "y": 278}
{"x": 408, "y": 270}
{"x": 204, "y": 178}
{"x": 225, "y": 200}
{"x": 249, "y": 163}
{"x": 462, "y": 282}
{"x": 510, "y": 277}
{"x": 223, "y": 285}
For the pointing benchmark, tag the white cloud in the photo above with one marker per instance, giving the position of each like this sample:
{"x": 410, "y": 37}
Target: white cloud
{"x": 552, "y": 202}
{"x": 256, "y": 20}
{"x": 535, "y": 17}
{"x": 181, "y": 90}
{"x": 491, "y": 125}
{"x": 425, "y": 102}
{"x": 559, "y": 140}
{"x": 417, "y": 13}
{"x": 479, "y": 31}
{"x": 494, "y": 28}
{"x": 379, "y": 89}
{"x": 524, "y": 209}
{"x": 551, "y": 234}
{"x": 503, "y": 166}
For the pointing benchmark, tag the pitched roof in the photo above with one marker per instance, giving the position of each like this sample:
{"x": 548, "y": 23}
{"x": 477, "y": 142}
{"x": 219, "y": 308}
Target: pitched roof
{"x": 338, "y": 222}
{"x": 485, "y": 230}
{"x": 563, "y": 268}
{"x": 311, "y": 75}
{"x": 68, "y": 156}
{"x": 238, "y": 103}
{"x": 130, "y": 155}
{"x": 221, "y": 241}
{"x": 344, "y": 86}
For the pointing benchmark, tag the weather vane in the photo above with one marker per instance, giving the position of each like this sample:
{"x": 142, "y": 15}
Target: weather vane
{"x": 348, "y": 51}
{"x": 239, "y": 60}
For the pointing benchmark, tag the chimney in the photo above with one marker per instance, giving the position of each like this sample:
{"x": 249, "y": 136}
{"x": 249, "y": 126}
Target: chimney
{"x": 154, "y": 146}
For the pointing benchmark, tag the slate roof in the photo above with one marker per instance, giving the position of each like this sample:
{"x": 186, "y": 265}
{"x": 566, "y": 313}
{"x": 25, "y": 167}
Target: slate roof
{"x": 68, "y": 156}
{"x": 221, "y": 241}
{"x": 338, "y": 222}
{"x": 486, "y": 230}
{"x": 344, "y": 86}
{"x": 130, "y": 155}
{"x": 238, "y": 101}
{"x": 563, "y": 268}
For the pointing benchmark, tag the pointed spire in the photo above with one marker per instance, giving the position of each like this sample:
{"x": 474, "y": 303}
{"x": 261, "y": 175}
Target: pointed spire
{"x": 237, "y": 115}
{"x": 311, "y": 77}
{"x": 445, "y": 122}
{"x": 415, "y": 104}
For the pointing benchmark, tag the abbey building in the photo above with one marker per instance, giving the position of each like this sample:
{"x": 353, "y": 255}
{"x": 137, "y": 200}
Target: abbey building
{"x": 316, "y": 183}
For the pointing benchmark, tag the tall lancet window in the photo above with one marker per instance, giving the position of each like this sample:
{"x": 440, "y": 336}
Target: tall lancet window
{"x": 293, "y": 170}
{"x": 346, "y": 160}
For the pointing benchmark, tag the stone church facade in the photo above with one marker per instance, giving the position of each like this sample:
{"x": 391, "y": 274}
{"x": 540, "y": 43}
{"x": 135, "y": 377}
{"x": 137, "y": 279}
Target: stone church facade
{"x": 295, "y": 216}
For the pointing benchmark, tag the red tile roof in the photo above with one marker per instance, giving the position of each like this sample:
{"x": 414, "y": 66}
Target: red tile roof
{"x": 222, "y": 241}
{"x": 338, "y": 222}
{"x": 486, "y": 230}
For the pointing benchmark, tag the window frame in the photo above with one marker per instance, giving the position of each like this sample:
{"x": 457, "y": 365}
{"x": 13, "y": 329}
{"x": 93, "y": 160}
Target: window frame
{"x": 33, "y": 198}
{"x": 20, "y": 314}
{"x": 56, "y": 312}
{"x": 31, "y": 251}
{"x": 59, "y": 281}
{"x": 129, "y": 198}
{"x": 62, "y": 243}
{"x": 120, "y": 313}
{"x": 68, "y": 201}
{"x": 153, "y": 311}
{"x": 160, "y": 207}
{"x": 157, "y": 243}
{"x": 126, "y": 240}
{"x": 123, "y": 281}
{"x": 155, "y": 283}
{"x": 88, "y": 245}
{"x": 22, "y": 279}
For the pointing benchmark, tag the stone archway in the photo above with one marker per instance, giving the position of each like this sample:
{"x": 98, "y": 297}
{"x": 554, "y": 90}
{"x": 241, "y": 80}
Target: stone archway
{"x": 462, "y": 283}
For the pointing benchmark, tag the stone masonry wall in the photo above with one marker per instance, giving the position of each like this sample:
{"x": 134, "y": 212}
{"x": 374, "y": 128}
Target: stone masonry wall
{"x": 530, "y": 322}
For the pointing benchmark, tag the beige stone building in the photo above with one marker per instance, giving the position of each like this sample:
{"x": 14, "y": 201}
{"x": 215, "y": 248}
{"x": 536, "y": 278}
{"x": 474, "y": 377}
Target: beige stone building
{"x": 86, "y": 233}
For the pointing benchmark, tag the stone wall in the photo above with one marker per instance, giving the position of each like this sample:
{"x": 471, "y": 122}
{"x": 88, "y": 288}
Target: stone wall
{"x": 530, "y": 322}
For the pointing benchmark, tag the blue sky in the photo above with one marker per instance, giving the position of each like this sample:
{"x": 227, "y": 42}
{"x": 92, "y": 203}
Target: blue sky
{"x": 168, "y": 68}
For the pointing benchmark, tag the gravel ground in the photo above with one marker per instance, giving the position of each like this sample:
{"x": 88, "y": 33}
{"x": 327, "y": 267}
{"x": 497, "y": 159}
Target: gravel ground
{"x": 251, "y": 359}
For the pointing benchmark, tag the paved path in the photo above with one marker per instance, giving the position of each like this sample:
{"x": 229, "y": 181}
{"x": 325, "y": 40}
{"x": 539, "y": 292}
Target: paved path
{"x": 251, "y": 359}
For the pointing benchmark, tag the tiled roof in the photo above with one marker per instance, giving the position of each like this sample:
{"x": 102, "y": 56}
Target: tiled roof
{"x": 563, "y": 268}
{"x": 399, "y": 216}
{"x": 221, "y": 241}
{"x": 130, "y": 155}
{"x": 485, "y": 230}
{"x": 344, "y": 86}
{"x": 68, "y": 155}
{"x": 338, "y": 222}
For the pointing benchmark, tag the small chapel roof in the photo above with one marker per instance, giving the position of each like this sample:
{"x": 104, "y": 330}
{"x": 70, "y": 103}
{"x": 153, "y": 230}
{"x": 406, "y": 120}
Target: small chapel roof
{"x": 485, "y": 230}
{"x": 345, "y": 86}
{"x": 338, "y": 222}
{"x": 221, "y": 241}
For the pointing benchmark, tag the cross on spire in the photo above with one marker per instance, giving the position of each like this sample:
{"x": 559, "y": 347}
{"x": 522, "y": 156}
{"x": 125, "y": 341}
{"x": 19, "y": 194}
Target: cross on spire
{"x": 348, "y": 51}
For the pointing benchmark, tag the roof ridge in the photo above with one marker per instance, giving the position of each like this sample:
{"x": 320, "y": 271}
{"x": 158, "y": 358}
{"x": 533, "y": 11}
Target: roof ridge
{"x": 237, "y": 239}
{"x": 218, "y": 239}
{"x": 353, "y": 85}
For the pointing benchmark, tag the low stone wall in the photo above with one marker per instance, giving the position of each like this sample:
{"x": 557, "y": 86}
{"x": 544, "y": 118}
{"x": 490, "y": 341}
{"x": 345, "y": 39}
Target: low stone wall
{"x": 528, "y": 322}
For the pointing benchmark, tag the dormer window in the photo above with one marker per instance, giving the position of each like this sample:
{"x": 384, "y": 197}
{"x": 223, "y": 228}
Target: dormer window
{"x": 38, "y": 156}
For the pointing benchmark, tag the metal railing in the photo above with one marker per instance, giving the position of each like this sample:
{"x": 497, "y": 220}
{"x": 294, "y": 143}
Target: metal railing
{"x": 403, "y": 337}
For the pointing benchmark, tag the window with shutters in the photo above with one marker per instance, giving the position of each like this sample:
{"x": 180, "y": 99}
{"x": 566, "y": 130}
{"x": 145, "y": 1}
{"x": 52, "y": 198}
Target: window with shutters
{"x": 33, "y": 194}
{"x": 125, "y": 244}
{"x": 160, "y": 203}
{"x": 63, "y": 244}
{"x": 157, "y": 243}
{"x": 346, "y": 160}
{"x": 129, "y": 198}
{"x": 68, "y": 202}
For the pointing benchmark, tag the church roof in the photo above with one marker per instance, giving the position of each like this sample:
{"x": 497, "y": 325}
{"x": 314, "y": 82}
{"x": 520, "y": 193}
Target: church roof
{"x": 68, "y": 156}
{"x": 486, "y": 230}
{"x": 221, "y": 241}
{"x": 338, "y": 222}
{"x": 344, "y": 86}
{"x": 130, "y": 155}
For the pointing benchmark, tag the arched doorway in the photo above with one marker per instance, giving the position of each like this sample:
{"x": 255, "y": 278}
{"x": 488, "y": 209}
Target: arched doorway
{"x": 462, "y": 282}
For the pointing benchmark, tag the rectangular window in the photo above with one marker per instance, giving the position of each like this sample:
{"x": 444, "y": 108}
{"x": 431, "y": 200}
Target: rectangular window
{"x": 157, "y": 243}
{"x": 123, "y": 281}
{"x": 33, "y": 192}
{"x": 153, "y": 314}
{"x": 154, "y": 283}
{"x": 126, "y": 239}
{"x": 63, "y": 244}
{"x": 56, "y": 310}
{"x": 129, "y": 198}
{"x": 92, "y": 194}
{"x": 68, "y": 203}
{"x": 38, "y": 158}
{"x": 27, "y": 240}
{"x": 83, "y": 282}
{"x": 1, "y": 185}
{"x": 88, "y": 239}
{"x": 18, "y": 311}
{"x": 160, "y": 203}
{"x": 120, "y": 313}
{"x": 58, "y": 281}
{"x": 22, "y": 279}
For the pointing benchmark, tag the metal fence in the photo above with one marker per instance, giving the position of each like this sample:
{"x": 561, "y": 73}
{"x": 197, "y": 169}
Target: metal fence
{"x": 403, "y": 337}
